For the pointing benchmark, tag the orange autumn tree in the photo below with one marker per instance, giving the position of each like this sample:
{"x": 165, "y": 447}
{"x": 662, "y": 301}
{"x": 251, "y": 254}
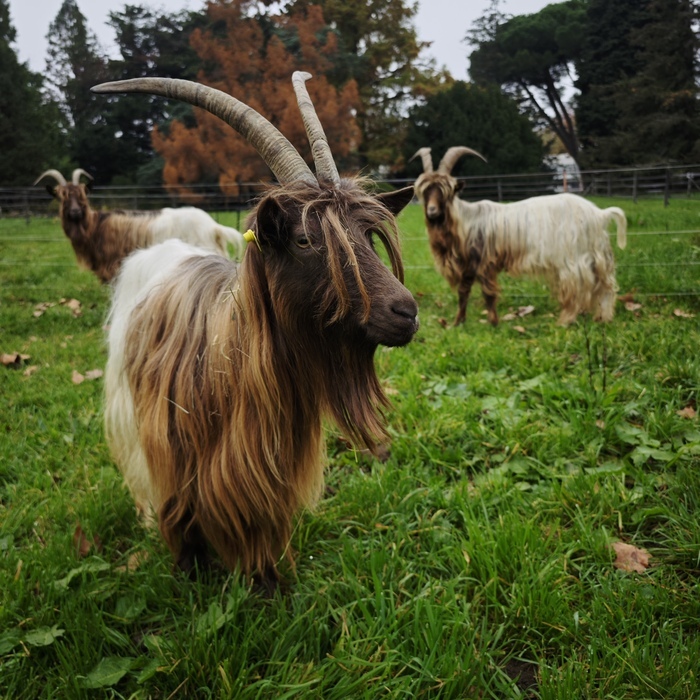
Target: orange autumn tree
{"x": 252, "y": 63}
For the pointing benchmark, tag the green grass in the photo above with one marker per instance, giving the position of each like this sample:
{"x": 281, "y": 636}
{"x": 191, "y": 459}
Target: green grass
{"x": 474, "y": 563}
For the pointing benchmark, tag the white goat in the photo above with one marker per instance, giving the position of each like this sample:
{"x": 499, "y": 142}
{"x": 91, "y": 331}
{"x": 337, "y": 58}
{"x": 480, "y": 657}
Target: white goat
{"x": 562, "y": 238}
{"x": 101, "y": 240}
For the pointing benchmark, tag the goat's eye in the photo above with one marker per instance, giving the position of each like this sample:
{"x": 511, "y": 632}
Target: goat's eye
{"x": 302, "y": 241}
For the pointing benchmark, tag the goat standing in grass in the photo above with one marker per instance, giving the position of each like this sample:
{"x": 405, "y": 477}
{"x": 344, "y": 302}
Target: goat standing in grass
{"x": 101, "y": 240}
{"x": 219, "y": 375}
{"x": 562, "y": 238}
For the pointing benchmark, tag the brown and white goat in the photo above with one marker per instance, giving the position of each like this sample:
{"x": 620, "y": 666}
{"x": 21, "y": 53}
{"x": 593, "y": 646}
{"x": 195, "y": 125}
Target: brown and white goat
{"x": 101, "y": 240}
{"x": 219, "y": 375}
{"x": 562, "y": 238}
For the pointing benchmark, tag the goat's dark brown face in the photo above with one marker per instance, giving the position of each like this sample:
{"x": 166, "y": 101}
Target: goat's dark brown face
{"x": 322, "y": 266}
{"x": 73, "y": 200}
{"x": 435, "y": 191}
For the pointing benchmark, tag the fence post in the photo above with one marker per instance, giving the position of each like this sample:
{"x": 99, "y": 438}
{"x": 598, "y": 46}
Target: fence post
{"x": 667, "y": 186}
{"x": 634, "y": 186}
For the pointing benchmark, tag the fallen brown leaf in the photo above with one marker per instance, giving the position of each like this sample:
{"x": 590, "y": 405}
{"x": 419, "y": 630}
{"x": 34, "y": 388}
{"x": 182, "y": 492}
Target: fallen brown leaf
{"x": 80, "y": 542}
{"x": 443, "y": 322}
{"x": 13, "y": 360}
{"x": 30, "y": 370}
{"x": 630, "y": 558}
{"x": 134, "y": 561}
{"x": 41, "y": 308}
{"x": 76, "y": 377}
{"x": 632, "y": 306}
{"x": 687, "y": 412}
{"x": 525, "y": 310}
{"x": 629, "y": 296}
{"x": 74, "y": 305}
{"x": 682, "y": 314}
{"x": 93, "y": 374}
{"x": 600, "y": 424}
{"x": 509, "y": 317}
{"x": 520, "y": 329}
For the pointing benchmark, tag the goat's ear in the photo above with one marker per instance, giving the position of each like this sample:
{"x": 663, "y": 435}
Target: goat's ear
{"x": 395, "y": 201}
{"x": 459, "y": 186}
{"x": 51, "y": 189}
{"x": 272, "y": 223}
{"x": 88, "y": 186}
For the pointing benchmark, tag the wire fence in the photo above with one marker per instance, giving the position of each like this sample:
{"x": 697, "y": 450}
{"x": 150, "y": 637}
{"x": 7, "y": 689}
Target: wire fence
{"x": 19, "y": 207}
{"x": 665, "y": 182}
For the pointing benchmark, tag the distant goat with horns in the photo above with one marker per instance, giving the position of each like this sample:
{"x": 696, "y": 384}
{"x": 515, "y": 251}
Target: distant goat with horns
{"x": 101, "y": 240}
{"x": 219, "y": 375}
{"x": 562, "y": 238}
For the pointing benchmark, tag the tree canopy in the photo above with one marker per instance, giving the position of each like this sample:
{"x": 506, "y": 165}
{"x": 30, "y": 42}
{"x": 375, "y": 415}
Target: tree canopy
{"x": 637, "y": 77}
{"x": 30, "y": 136}
{"x": 240, "y": 60}
{"x": 530, "y": 56}
{"x": 481, "y": 118}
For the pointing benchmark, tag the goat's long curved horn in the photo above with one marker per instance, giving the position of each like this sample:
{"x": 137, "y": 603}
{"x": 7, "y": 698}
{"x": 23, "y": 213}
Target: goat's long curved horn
{"x": 425, "y": 156}
{"x": 453, "y": 154}
{"x": 75, "y": 178}
{"x": 277, "y": 152}
{"x": 54, "y": 174}
{"x": 321, "y": 151}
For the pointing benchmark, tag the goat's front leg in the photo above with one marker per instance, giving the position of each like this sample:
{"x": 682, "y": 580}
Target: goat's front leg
{"x": 463, "y": 292}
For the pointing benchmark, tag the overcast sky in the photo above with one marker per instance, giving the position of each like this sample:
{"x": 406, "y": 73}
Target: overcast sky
{"x": 442, "y": 22}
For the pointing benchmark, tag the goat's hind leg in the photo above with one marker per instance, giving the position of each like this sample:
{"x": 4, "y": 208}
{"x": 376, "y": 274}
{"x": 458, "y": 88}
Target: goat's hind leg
{"x": 490, "y": 291}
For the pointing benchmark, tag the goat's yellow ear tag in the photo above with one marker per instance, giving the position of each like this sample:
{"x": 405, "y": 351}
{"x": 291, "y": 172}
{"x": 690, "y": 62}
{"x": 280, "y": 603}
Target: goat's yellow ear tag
{"x": 250, "y": 236}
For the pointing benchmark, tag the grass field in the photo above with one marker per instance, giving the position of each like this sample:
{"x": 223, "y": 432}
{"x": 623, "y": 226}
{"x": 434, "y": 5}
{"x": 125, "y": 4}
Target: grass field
{"x": 476, "y": 562}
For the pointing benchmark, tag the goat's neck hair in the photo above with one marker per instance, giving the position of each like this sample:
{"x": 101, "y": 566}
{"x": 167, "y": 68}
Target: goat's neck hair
{"x": 443, "y": 232}
{"x": 235, "y": 397}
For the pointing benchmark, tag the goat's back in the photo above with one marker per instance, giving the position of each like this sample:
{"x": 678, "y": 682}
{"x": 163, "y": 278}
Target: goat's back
{"x": 195, "y": 227}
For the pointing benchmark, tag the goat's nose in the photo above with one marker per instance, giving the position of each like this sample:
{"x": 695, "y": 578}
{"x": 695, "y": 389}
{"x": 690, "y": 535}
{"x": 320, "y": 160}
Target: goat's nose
{"x": 406, "y": 308}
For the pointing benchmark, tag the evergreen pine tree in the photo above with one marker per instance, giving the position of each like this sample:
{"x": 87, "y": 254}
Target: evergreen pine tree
{"x": 30, "y": 136}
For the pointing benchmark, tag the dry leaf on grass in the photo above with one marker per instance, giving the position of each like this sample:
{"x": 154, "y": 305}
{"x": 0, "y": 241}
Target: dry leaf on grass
{"x": 632, "y": 306}
{"x": 522, "y": 311}
{"x": 682, "y": 314}
{"x": 74, "y": 305}
{"x": 41, "y": 308}
{"x": 520, "y": 329}
{"x": 630, "y": 558}
{"x": 134, "y": 561}
{"x": 78, "y": 378}
{"x": 687, "y": 412}
{"x": 13, "y": 360}
{"x": 83, "y": 544}
{"x": 629, "y": 296}
{"x": 600, "y": 424}
{"x": 30, "y": 370}
{"x": 443, "y": 322}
